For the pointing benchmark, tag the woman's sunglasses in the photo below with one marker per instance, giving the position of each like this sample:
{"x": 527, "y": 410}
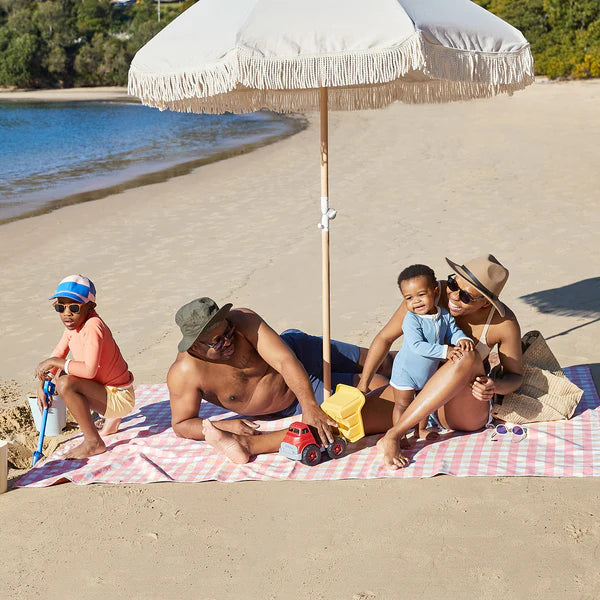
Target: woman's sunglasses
{"x": 464, "y": 296}
{"x": 74, "y": 308}
{"x": 499, "y": 432}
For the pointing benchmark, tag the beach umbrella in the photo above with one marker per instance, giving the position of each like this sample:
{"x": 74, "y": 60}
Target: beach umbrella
{"x": 292, "y": 56}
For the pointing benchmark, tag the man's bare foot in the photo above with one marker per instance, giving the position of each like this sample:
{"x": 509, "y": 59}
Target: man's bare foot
{"x": 110, "y": 426}
{"x": 389, "y": 447}
{"x": 225, "y": 442}
{"x": 86, "y": 449}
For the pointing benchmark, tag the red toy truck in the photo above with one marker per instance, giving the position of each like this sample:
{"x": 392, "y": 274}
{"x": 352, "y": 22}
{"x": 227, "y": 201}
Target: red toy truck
{"x": 300, "y": 444}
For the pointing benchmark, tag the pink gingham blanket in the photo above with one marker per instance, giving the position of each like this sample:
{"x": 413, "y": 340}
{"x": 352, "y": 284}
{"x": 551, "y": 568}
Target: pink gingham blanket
{"x": 146, "y": 450}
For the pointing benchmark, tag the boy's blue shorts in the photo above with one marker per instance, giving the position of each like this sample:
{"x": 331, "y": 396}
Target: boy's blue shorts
{"x": 309, "y": 351}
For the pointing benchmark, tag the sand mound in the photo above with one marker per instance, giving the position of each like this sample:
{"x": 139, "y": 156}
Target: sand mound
{"x": 18, "y": 428}
{"x": 10, "y": 392}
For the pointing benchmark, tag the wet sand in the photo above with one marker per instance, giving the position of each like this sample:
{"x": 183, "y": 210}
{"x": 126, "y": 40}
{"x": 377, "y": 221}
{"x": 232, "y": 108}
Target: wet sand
{"x": 516, "y": 177}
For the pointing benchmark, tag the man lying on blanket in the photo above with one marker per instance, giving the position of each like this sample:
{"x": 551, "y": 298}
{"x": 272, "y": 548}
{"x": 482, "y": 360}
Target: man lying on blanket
{"x": 232, "y": 358}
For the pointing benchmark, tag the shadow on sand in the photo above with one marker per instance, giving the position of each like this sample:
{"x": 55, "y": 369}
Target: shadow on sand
{"x": 580, "y": 299}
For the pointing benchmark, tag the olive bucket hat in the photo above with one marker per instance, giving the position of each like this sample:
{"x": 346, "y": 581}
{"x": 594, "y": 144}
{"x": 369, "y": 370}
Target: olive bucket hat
{"x": 197, "y": 317}
{"x": 487, "y": 275}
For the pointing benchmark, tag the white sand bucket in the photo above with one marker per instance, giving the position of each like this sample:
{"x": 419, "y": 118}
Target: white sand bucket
{"x": 57, "y": 415}
{"x": 3, "y": 465}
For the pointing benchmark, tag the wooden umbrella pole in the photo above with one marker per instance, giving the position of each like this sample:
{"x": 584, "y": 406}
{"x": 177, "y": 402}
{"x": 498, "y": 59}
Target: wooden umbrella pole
{"x": 326, "y": 215}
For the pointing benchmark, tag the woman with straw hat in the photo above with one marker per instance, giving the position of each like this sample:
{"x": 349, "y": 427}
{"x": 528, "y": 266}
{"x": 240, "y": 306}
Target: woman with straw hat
{"x": 460, "y": 394}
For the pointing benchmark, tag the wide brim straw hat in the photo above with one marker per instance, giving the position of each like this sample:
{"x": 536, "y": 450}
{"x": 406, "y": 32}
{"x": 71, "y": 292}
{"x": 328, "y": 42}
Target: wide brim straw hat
{"x": 487, "y": 275}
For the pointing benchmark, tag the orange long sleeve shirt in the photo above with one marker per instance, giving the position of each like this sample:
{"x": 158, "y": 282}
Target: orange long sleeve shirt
{"x": 95, "y": 353}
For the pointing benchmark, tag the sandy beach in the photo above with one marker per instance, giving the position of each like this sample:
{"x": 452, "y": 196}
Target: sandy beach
{"x": 514, "y": 176}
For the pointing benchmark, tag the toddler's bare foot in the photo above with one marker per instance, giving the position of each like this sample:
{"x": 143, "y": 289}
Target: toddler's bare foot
{"x": 428, "y": 434}
{"x": 393, "y": 459}
{"x": 86, "y": 449}
{"x": 225, "y": 442}
{"x": 110, "y": 426}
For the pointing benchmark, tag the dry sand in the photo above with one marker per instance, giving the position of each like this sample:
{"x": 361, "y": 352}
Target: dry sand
{"x": 517, "y": 177}
{"x": 69, "y": 95}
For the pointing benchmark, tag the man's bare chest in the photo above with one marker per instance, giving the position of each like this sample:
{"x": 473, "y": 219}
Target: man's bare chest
{"x": 235, "y": 381}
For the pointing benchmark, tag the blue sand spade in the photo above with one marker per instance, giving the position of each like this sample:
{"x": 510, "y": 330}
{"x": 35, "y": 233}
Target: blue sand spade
{"x": 49, "y": 389}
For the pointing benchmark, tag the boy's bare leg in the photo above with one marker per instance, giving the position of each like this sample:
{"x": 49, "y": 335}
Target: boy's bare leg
{"x": 423, "y": 433}
{"x": 240, "y": 448}
{"x": 390, "y": 446}
{"x": 110, "y": 426}
{"x": 81, "y": 397}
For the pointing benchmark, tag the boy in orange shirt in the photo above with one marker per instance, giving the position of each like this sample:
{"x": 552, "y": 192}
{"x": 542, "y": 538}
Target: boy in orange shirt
{"x": 96, "y": 377}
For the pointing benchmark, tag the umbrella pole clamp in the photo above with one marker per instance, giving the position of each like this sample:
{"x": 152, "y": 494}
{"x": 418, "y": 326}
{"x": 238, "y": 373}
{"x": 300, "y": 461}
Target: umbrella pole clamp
{"x": 327, "y": 214}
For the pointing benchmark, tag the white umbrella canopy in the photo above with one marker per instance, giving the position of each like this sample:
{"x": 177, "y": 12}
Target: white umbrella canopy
{"x": 298, "y": 55}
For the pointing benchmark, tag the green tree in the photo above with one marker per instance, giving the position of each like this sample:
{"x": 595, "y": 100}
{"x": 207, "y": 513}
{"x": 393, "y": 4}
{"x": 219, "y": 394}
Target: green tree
{"x": 19, "y": 65}
{"x": 56, "y": 25}
{"x": 93, "y": 16}
{"x": 103, "y": 61}
{"x": 21, "y": 21}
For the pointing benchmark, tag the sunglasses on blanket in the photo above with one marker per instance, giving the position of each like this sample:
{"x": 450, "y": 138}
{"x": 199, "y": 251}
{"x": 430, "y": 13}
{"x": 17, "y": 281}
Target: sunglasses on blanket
{"x": 500, "y": 431}
{"x": 74, "y": 308}
{"x": 464, "y": 296}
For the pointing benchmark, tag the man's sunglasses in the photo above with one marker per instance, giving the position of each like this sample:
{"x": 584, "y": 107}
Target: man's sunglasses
{"x": 464, "y": 296}
{"x": 222, "y": 339}
{"x": 74, "y": 308}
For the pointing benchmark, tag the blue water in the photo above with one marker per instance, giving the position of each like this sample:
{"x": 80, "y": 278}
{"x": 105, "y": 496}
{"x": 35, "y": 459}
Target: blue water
{"x": 52, "y": 150}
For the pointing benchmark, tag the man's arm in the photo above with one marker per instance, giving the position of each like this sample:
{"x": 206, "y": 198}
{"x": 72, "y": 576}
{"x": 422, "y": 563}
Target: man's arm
{"x": 185, "y": 399}
{"x": 276, "y": 353}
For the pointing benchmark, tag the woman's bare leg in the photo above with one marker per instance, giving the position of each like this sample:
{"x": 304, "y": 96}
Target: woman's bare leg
{"x": 450, "y": 388}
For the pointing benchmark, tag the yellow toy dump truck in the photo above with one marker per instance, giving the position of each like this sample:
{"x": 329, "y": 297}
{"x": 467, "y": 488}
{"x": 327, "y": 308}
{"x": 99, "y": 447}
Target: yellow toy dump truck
{"x": 344, "y": 408}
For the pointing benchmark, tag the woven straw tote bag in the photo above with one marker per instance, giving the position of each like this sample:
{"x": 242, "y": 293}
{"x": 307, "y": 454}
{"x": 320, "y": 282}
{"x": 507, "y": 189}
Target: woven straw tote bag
{"x": 545, "y": 394}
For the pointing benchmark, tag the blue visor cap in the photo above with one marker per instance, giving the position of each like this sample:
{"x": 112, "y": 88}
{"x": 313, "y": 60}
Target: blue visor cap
{"x": 76, "y": 287}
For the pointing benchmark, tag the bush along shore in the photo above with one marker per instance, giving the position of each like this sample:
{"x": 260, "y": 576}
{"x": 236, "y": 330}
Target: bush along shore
{"x": 564, "y": 36}
{"x": 66, "y": 43}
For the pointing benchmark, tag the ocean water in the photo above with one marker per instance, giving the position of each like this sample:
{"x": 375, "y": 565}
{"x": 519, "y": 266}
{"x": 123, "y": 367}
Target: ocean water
{"x": 50, "y": 151}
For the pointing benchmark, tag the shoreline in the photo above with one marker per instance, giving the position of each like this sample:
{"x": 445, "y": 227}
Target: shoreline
{"x": 294, "y": 124}
{"x": 81, "y": 94}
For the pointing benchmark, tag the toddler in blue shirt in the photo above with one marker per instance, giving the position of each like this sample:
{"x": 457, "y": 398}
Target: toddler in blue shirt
{"x": 430, "y": 335}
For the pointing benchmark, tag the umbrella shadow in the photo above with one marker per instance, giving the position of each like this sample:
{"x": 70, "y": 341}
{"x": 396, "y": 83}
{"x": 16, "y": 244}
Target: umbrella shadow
{"x": 580, "y": 299}
{"x": 156, "y": 416}
{"x": 586, "y": 404}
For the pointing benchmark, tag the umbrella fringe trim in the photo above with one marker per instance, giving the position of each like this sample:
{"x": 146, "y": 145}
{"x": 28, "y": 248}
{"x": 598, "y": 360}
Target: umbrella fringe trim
{"x": 245, "y": 83}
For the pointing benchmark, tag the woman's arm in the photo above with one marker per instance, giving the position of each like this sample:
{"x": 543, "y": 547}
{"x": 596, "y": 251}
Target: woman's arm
{"x": 511, "y": 359}
{"x": 380, "y": 346}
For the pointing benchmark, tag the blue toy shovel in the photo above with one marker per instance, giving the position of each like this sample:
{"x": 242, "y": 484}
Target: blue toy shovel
{"x": 49, "y": 389}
